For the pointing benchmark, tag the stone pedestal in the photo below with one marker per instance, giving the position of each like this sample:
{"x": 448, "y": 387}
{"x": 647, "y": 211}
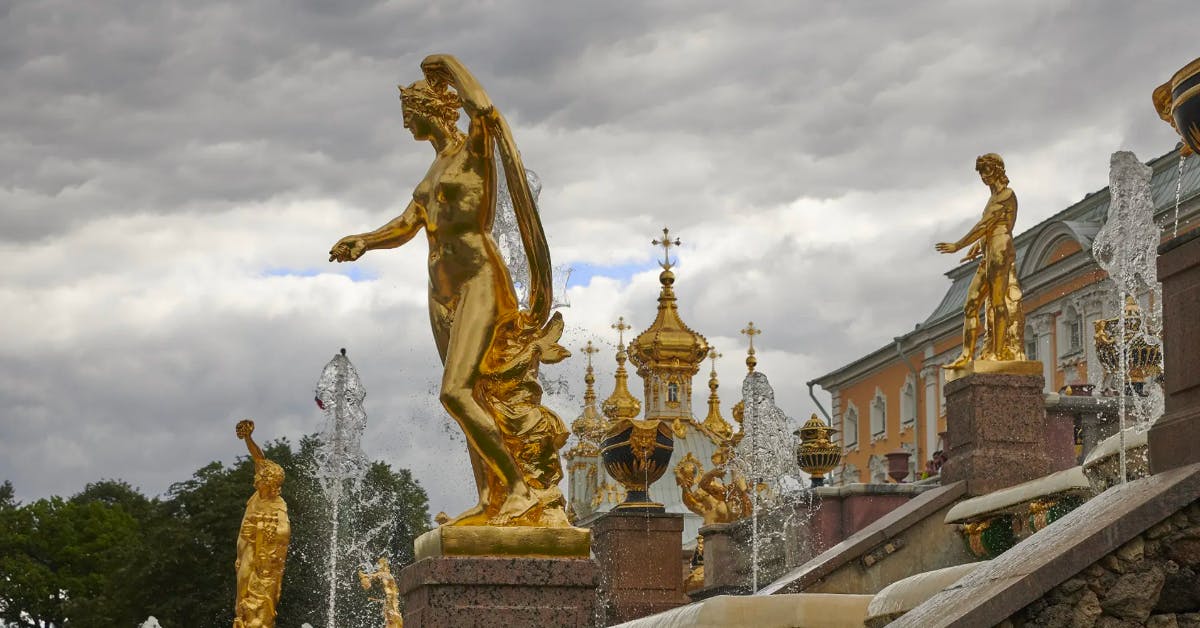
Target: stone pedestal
{"x": 1173, "y": 437}
{"x": 723, "y": 571}
{"x": 640, "y": 568}
{"x": 996, "y": 430}
{"x": 503, "y": 592}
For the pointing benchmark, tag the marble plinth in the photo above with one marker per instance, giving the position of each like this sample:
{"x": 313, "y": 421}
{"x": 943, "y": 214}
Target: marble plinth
{"x": 996, "y": 431}
{"x": 1173, "y": 436}
{"x": 501, "y": 592}
{"x": 641, "y": 571}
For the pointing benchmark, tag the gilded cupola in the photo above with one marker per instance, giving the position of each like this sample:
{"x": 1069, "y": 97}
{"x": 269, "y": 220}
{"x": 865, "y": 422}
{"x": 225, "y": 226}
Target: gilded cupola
{"x": 621, "y": 404}
{"x": 668, "y": 353}
{"x": 589, "y": 428}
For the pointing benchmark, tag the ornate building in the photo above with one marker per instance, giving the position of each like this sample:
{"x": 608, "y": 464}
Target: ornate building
{"x": 666, "y": 356}
{"x": 892, "y": 398}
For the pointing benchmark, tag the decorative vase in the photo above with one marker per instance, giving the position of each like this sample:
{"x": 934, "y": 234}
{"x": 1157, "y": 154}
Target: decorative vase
{"x": 636, "y": 454}
{"x": 1178, "y": 103}
{"x": 898, "y": 465}
{"x": 816, "y": 454}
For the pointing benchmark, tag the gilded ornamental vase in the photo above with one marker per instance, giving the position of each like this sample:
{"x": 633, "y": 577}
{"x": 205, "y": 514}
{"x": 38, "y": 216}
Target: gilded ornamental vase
{"x": 637, "y": 453}
{"x": 1178, "y": 103}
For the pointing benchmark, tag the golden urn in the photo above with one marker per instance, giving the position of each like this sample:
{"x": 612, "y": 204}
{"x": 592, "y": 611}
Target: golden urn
{"x": 817, "y": 455}
{"x": 1178, "y": 103}
{"x": 1143, "y": 351}
{"x": 637, "y": 453}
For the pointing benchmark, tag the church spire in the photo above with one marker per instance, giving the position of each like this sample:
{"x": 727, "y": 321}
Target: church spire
{"x": 589, "y": 428}
{"x": 621, "y": 404}
{"x": 751, "y": 331}
{"x": 714, "y": 423}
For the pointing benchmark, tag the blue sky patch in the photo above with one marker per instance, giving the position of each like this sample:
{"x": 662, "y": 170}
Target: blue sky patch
{"x": 354, "y": 272}
{"x": 582, "y": 273}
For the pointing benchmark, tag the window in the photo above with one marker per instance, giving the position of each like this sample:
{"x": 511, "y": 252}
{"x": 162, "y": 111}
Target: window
{"x": 673, "y": 393}
{"x": 1031, "y": 344}
{"x": 1076, "y": 334}
{"x": 878, "y": 416}
{"x": 850, "y": 436}
{"x": 908, "y": 403}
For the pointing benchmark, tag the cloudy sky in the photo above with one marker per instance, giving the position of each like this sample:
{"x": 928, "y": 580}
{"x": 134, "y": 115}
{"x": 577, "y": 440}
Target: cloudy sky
{"x": 173, "y": 173}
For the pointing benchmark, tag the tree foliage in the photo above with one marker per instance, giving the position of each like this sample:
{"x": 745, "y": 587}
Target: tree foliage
{"x": 110, "y": 556}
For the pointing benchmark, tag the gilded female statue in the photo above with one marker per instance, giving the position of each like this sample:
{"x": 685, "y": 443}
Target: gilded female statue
{"x": 262, "y": 541}
{"x": 490, "y": 347}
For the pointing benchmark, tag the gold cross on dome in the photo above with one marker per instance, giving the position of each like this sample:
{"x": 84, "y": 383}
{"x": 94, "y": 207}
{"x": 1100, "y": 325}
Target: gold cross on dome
{"x": 588, "y": 351}
{"x": 751, "y": 331}
{"x": 666, "y": 243}
{"x": 620, "y": 326}
{"x": 713, "y": 355}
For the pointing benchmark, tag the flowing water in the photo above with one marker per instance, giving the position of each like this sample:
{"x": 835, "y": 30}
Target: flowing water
{"x": 1126, "y": 248}
{"x": 341, "y": 463}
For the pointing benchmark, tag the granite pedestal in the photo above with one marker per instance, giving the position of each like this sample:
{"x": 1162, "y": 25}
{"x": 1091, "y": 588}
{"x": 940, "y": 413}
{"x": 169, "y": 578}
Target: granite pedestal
{"x": 505, "y": 592}
{"x": 996, "y": 428}
{"x": 1173, "y": 437}
{"x": 640, "y": 568}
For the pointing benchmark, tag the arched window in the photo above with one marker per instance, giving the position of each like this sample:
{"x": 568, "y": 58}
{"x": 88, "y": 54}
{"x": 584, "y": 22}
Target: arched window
{"x": 908, "y": 403}
{"x": 850, "y": 434}
{"x": 878, "y": 416}
{"x": 673, "y": 393}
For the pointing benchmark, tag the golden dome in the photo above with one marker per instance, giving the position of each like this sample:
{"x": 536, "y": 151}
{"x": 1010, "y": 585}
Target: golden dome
{"x": 589, "y": 428}
{"x": 668, "y": 343}
{"x": 621, "y": 404}
{"x": 718, "y": 428}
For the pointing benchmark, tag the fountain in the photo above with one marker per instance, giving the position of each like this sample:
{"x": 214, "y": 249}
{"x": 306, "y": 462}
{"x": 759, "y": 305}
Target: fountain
{"x": 1125, "y": 249}
{"x": 340, "y": 461}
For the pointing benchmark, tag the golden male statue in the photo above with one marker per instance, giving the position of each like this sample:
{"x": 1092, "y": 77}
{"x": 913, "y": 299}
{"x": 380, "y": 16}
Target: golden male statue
{"x": 262, "y": 541}
{"x": 995, "y": 282}
{"x": 391, "y": 592}
{"x": 490, "y": 348}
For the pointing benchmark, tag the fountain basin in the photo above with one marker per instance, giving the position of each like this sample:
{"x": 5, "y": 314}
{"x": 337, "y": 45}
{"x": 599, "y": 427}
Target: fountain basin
{"x": 811, "y": 610}
{"x": 1102, "y": 465}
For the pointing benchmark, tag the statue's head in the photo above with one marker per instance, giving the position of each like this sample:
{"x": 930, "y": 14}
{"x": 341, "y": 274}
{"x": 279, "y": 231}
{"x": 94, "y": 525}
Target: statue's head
{"x": 991, "y": 168}
{"x": 268, "y": 479}
{"x": 427, "y": 106}
{"x": 686, "y": 470}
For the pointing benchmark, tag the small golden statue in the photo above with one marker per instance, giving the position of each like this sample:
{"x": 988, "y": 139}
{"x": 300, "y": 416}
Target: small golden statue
{"x": 994, "y": 289}
{"x": 710, "y": 497}
{"x": 262, "y": 541}
{"x": 391, "y": 592}
{"x": 490, "y": 348}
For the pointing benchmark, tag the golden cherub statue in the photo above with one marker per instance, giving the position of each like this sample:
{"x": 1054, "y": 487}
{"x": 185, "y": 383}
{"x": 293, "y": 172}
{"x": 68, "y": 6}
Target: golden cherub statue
{"x": 262, "y": 541}
{"x": 391, "y": 592}
{"x": 490, "y": 348}
{"x": 995, "y": 282}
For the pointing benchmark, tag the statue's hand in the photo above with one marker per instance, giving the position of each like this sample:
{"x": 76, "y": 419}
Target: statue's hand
{"x": 348, "y": 249}
{"x": 975, "y": 251}
{"x": 244, "y": 428}
{"x": 946, "y": 247}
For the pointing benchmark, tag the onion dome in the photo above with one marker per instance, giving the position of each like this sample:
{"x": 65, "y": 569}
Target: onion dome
{"x": 589, "y": 428}
{"x": 668, "y": 344}
{"x": 718, "y": 428}
{"x": 621, "y": 404}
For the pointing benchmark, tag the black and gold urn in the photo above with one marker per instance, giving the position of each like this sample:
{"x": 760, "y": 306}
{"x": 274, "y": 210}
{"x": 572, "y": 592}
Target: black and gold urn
{"x": 637, "y": 453}
{"x": 1178, "y": 103}
{"x": 817, "y": 454}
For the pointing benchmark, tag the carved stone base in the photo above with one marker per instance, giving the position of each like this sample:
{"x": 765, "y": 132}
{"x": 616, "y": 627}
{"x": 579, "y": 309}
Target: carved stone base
{"x": 1173, "y": 436}
{"x": 996, "y": 431}
{"x": 527, "y": 542}
{"x": 501, "y": 592}
{"x": 641, "y": 566}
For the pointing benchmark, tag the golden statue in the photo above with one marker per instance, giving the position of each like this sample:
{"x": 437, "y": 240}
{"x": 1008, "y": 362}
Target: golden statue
{"x": 709, "y": 497}
{"x": 262, "y": 541}
{"x": 490, "y": 348}
{"x": 391, "y": 592}
{"x": 995, "y": 283}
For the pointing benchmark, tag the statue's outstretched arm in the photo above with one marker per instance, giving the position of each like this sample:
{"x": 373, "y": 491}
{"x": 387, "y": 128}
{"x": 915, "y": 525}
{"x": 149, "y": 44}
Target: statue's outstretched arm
{"x": 244, "y": 429}
{"x": 391, "y": 235}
